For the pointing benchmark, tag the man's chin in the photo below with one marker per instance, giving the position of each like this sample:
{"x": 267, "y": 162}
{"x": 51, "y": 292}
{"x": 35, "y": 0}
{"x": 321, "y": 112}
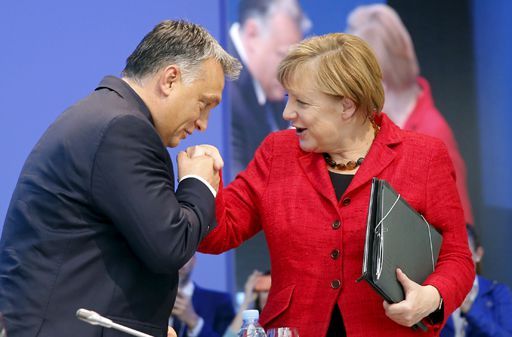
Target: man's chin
{"x": 173, "y": 142}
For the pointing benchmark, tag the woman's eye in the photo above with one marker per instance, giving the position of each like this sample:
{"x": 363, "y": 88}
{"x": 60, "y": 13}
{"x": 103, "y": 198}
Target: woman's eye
{"x": 301, "y": 102}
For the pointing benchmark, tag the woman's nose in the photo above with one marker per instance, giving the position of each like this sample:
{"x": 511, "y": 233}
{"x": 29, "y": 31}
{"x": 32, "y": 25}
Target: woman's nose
{"x": 288, "y": 113}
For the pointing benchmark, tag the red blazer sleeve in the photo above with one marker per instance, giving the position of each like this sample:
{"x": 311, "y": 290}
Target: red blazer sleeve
{"x": 455, "y": 270}
{"x": 238, "y": 206}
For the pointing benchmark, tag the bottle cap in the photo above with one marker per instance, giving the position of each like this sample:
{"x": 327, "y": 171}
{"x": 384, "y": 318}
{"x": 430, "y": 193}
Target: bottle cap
{"x": 250, "y": 314}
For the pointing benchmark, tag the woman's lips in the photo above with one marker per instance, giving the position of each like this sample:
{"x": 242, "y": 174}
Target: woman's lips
{"x": 300, "y": 130}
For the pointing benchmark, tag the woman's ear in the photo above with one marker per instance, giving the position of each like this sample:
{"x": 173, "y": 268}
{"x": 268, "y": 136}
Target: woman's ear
{"x": 348, "y": 108}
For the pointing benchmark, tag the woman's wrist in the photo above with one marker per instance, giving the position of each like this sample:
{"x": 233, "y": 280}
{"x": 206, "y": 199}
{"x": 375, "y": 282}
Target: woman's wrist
{"x": 437, "y": 299}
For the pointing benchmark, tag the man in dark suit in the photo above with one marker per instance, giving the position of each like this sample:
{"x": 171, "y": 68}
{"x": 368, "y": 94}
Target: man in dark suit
{"x": 261, "y": 38}
{"x": 200, "y": 312}
{"x": 95, "y": 221}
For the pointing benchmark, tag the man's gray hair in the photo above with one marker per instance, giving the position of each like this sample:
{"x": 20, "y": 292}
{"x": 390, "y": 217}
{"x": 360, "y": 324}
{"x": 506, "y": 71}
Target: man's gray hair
{"x": 262, "y": 11}
{"x": 182, "y": 43}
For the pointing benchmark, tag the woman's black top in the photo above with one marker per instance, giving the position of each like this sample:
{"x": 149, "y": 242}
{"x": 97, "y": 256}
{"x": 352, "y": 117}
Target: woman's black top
{"x": 340, "y": 182}
{"x": 336, "y": 326}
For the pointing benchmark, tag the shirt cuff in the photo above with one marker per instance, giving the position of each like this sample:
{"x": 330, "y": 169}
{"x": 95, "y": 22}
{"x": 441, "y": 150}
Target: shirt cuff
{"x": 210, "y": 187}
{"x": 199, "y": 326}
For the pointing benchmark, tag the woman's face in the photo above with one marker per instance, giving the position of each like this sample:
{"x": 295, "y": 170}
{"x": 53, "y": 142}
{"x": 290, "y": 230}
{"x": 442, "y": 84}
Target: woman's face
{"x": 316, "y": 116}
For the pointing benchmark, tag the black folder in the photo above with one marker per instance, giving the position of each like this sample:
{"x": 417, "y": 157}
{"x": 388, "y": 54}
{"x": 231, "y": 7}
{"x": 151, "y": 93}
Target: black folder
{"x": 396, "y": 237}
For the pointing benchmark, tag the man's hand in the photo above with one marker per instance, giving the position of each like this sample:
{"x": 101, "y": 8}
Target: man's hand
{"x": 202, "y": 166}
{"x": 207, "y": 150}
{"x": 171, "y": 332}
{"x": 184, "y": 310}
{"x": 420, "y": 301}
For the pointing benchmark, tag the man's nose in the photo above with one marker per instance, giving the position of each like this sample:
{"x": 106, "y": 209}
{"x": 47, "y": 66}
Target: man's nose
{"x": 202, "y": 124}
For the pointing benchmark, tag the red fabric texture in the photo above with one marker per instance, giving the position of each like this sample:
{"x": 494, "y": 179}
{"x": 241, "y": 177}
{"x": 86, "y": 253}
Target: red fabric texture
{"x": 426, "y": 119}
{"x": 288, "y": 194}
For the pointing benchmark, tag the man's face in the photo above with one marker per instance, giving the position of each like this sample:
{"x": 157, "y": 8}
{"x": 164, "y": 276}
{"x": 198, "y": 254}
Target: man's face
{"x": 188, "y": 106}
{"x": 268, "y": 48}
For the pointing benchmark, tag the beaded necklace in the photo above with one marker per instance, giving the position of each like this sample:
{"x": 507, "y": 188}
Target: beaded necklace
{"x": 351, "y": 164}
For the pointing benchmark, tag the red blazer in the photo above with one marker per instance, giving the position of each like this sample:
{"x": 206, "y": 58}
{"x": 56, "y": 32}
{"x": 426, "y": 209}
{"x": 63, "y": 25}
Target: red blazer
{"x": 316, "y": 243}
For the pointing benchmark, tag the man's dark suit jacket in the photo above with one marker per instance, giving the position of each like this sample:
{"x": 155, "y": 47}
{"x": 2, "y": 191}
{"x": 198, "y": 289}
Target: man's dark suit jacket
{"x": 95, "y": 223}
{"x": 215, "y": 308}
{"x": 249, "y": 119}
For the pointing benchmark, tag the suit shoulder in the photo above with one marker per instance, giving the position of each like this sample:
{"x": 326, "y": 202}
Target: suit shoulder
{"x": 96, "y": 112}
{"x": 131, "y": 131}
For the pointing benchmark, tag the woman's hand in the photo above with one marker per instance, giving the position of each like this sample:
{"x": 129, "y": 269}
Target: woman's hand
{"x": 420, "y": 301}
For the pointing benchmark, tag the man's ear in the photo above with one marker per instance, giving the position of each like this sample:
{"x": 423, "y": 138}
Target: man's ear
{"x": 169, "y": 77}
{"x": 250, "y": 32}
{"x": 348, "y": 108}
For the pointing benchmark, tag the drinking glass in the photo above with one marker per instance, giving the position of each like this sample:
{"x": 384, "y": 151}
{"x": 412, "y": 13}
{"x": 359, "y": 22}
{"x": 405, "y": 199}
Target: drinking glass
{"x": 283, "y": 332}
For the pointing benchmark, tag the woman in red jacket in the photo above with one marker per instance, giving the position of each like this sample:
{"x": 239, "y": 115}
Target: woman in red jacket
{"x": 308, "y": 189}
{"x": 409, "y": 102}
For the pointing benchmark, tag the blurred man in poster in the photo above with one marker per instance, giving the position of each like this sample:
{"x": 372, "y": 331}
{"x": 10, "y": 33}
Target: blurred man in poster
{"x": 261, "y": 38}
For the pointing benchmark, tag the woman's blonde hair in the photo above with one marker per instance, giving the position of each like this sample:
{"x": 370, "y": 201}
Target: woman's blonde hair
{"x": 343, "y": 65}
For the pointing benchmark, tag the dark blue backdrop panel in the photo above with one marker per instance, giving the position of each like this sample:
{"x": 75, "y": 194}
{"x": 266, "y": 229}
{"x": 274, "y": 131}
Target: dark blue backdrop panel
{"x": 493, "y": 58}
{"x": 493, "y": 51}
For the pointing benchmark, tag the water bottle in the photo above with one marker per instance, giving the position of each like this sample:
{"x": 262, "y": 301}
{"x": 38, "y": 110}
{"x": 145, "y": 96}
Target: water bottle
{"x": 250, "y": 325}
